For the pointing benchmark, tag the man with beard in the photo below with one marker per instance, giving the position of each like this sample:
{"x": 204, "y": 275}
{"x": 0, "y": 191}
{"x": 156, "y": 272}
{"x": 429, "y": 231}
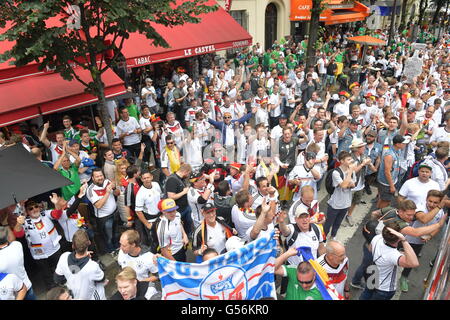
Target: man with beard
{"x": 101, "y": 194}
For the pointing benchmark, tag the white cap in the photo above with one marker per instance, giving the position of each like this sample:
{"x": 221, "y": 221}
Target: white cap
{"x": 300, "y": 210}
{"x": 234, "y": 243}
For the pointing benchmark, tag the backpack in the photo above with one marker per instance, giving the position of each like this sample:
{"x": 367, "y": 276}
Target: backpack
{"x": 375, "y": 226}
{"x": 294, "y": 237}
{"x": 414, "y": 170}
{"x": 329, "y": 180}
{"x": 154, "y": 245}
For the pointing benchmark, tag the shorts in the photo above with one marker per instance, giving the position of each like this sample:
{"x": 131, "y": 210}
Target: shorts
{"x": 384, "y": 193}
{"x": 357, "y": 196}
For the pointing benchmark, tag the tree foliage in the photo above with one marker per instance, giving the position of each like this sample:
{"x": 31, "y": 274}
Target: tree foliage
{"x": 43, "y": 31}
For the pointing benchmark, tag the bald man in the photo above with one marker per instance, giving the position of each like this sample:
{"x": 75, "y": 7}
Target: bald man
{"x": 335, "y": 262}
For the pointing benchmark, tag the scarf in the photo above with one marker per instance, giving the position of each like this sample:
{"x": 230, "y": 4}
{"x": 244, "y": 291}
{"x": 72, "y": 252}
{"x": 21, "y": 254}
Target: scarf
{"x": 174, "y": 159}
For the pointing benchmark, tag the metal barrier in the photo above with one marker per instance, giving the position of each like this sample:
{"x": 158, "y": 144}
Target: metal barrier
{"x": 438, "y": 281}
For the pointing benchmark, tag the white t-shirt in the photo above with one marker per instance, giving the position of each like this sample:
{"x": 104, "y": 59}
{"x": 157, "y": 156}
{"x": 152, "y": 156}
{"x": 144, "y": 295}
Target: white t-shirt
{"x": 216, "y": 237}
{"x": 147, "y": 199}
{"x": 338, "y": 275}
{"x": 142, "y": 264}
{"x": 342, "y": 109}
{"x": 196, "y": 207}
{"x": 11, "y": 261}
{"x": 193, "y": 153}
{"x": 145, "y": 123}
{"x": 307, "y": 178}
{"x": 9, "y": 286}
{"x": 129, "y": 126}
{"x": 242, "y": 220}
{"x": 417, "y": 191}
{"x": 262, "y": 233}
{"x": 83, "y": 283}
{"x": 170, "y": 233}
{"x": 440, "y": 134}
{"x": 56, "y": 151}
{"x": 275, "y": 100}
{"x": 95, "y": 193}
{"x": 386, "y": 259}
{"x": 304, "y": 239}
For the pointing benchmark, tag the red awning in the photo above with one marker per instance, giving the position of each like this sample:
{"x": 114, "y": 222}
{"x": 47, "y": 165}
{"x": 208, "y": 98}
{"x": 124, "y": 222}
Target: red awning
{"x": 216, "y": 31}
{"x": 28, "y": 98}
{"x": 345, "y": 18}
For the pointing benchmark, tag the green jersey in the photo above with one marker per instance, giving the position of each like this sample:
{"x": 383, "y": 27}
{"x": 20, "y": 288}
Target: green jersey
{"x": 92, "y": 134}
{"x": 266, "y": 59}
{"x": 339, "y": 57}
{"x": 291, "y": 64}
{"x": 133, "y": 111}
{"x": 71, "y": 174}
{"x": 294, "y": 289}
{"x": 69, "y": 134}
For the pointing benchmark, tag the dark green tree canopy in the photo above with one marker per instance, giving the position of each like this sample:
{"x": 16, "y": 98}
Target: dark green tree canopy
{"x": 59, "y": 34}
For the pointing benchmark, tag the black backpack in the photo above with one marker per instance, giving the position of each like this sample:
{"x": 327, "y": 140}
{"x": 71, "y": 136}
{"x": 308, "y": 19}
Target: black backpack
{"x": 329, "y": 180}
{"x": 154, "y": 244}
{"x": 294, "y": 237}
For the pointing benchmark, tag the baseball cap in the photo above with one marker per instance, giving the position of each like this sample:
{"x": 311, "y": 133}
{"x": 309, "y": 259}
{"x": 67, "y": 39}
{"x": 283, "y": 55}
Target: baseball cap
{"x": 356, "y": 143}
{"x": 283, "y": 116}
{"x": 148, "y": 79}
{"x": 335, "y": 96}
{"x": 209, "y": 207}
{"x": 353, "y": 121}
{"x": 301, "y": 211}
{"x": 234, "y": 243}
{"x": 354, "y": 84}
{"x": 412, "y": 109}
{"x": 426, "y": 164}
{"x": 310, "y": 156}
{"x": 401, "y": 139}
{"x": 372, "y": 133}
{"x": 167, "y": 205}
{"x": 195, "y": 175}
{"x": 235, "y": 165}
{"x": 72, "y": 142}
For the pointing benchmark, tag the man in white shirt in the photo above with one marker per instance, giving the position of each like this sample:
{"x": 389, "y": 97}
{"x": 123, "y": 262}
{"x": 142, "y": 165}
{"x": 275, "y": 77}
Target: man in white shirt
{"x": 83, "y": 276}
{"x": 387, "y": 259}
{"x": 129, "y": 130}
{"x": 199, "y": 194}
{"x": 101, "y": 194}
{"x": 12, "y": 288}
{"x": 148, "y": 93}
{"x": 172, "y": 238}
{"x": 12, "y": 262}
{"x": 342, "y": 108}
{"x": 335, "y": 263}
{"x": 265, "y": 215}
{"x": 416, "y": 189}
{"x": 133, "y": 254}
{"x": 302, "y": 234}
{"x": 146, "y": 209}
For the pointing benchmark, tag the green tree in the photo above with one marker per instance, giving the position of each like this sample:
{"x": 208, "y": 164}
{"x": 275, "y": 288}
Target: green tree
{"x": 316, "y": 10}
{"x": 83, "y": 34}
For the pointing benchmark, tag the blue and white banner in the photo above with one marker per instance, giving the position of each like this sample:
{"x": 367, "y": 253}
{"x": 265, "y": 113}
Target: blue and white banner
{"x": 242, "y": 274}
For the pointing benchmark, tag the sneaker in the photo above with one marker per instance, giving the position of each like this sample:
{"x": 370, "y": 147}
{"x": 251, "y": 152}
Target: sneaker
{"x": 356, "y": 286}
{"x": 404, "y": 284}
{"x": 349, "y": 220}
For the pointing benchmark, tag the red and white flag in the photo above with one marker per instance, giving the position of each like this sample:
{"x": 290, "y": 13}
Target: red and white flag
{"x": 228, "y": 5}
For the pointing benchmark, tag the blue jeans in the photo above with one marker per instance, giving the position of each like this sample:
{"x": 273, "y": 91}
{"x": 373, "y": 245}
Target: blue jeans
{"x": 30, "y": 295}
{"x": 187, "y": 220}
{"x": 334, "y": 220}
{"x": 105, "y": 227}
{"x": 376, "y": 294}
{"x": 366, "y": 261}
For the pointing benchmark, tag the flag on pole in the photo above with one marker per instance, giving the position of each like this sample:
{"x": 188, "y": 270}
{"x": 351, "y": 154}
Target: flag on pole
{"x": 228, "y": 5}
{"x": 242, "y": 274}
{"x": 322, "y": 281}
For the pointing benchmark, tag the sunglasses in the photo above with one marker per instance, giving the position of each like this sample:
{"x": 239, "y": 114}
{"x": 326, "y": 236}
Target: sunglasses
{"x": 33, "y": 207}
{"x": 305, "y": 282}
{"x": 170, "y": 142}
{"x": 227, "y": 117}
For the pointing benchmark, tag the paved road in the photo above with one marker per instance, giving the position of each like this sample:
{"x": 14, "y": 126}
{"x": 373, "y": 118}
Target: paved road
{"x": 351, "y": 237}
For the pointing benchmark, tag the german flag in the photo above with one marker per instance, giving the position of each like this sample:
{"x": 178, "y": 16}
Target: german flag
{"x": 37, "y": 245}
{"x": 51, "y": 231}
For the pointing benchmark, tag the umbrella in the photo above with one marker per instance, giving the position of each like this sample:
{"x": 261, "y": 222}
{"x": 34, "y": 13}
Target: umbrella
{"x": 23, "y": 176}
{"x": 367, "y": 40}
